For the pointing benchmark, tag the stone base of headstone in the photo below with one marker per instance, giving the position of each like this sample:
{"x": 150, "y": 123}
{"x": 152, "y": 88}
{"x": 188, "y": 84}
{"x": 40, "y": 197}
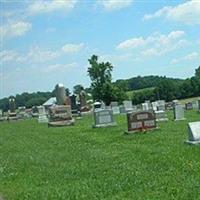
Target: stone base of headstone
{"x": 193, "y": 142}
{"x": 12, "y": 117}
{"x": 141, "y": 131}
{"x": 43, "y": 119}
{"x": 60, "y": 115}
{"x": 61, "y": 123}
{"x": 104, "y": 125}
{"x": 85, "y": 109}
{"x": 176, "y": 120}
{"x": 86, "y": 112}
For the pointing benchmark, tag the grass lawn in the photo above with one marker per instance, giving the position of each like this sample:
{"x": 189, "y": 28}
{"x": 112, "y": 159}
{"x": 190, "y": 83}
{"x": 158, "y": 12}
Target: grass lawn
{"x": 37, "y": 162}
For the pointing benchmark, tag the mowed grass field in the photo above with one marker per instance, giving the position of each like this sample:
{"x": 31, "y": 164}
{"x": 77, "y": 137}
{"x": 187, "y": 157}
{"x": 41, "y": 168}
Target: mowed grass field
{"x": 79, "y": 162}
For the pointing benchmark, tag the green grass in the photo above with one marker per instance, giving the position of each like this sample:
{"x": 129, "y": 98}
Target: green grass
{"x": 37, "y": 162}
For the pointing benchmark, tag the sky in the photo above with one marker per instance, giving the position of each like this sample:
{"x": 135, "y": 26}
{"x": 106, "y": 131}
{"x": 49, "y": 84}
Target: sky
{"x": 43, "y": 43}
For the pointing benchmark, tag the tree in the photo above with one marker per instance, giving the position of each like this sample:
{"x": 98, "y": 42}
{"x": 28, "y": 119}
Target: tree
{"x": 167, "y": 90}
{"x": 101, "y": 86}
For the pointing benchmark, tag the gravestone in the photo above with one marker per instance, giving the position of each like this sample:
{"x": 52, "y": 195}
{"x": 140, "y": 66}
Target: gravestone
{"x": 97, "y": 105}
{"x": 21, "y": 112}
{"x": 195, "y": 105}
{"x": 161, "y": 115}
{"x": 103, "y": 118}
{"x": 199, "y": 105}
{"x": 189, "y": 106}
{"x": 1, "y": 115}
{"x": 154, "y": 105}
{"x": 34, "y": 111}
{"x": 160, "y": 105}
{"x": 122, "y": 109}
{"x": 169, "y": 106}
{"x": 145, "y": 106}
{"x": 74, "y": 107}
{"x": 12, "y": 115}
{"x": 178, "y": 112}
{"x": 115, "y": 107}
{"x": 194, "y": 133}
{"x": 60, "y": 94}
{"x": 60, "y": 115}
{"x": 128, "y": 106}
{"x": 141, "y": 121}
{"x": 42, "y": 118}
{"x": 83, "y": 101}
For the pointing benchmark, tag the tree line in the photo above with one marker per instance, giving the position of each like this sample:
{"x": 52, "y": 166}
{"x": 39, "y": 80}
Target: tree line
{"x": 103, "y": 89}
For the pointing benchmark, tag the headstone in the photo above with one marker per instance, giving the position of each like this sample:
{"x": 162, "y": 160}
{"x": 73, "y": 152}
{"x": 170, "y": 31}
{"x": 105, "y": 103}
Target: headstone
{"x": 145, "y": 106}
{"x": 141, "y": 121}
{"x": 12, "y": 115}
{"x": 194, "y": 133}
{"x": 21, "y": 112}
{"x": 83, "y": 101}
{"x": 114, "y": 104}
{"x": 122, "y": 109}
{"x": 161, "y": 115}
{"x": 115, "y": 107}
{"x": 29, "y": 113}
{"x": 154, "y": 105}
{"x": 128, "y": 106}
{"x": 42, "y": 118}
{"x": 169, "y": 106}
{"x": 178, "y": 112}
{"x": 60, "y": 94}
{"x": 103, "y": 118}
{"x": 74, "y": 105}
{"x": 195, "y": 105}
{"x": 1, "y": 115}
{"x": 60, "y": 115}
{"x": 97, "y": 105}
{"x": 34, "y": 111}
{"x": 189, "y": 106}
{"x": 160, "y": 105}
{"x": 199, "y": 105}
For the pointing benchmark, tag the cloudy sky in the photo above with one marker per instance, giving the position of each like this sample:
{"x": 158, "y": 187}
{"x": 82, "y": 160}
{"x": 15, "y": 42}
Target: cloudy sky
{"x": 49, "y": 42}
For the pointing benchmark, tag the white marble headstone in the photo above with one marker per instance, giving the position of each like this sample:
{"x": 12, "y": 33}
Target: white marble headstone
{"x": 194, "y": 132}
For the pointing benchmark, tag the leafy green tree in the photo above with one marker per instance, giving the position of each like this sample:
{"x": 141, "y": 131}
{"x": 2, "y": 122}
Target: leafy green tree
{"x": 166, "y": 90}
{"x": 101, "y": 86}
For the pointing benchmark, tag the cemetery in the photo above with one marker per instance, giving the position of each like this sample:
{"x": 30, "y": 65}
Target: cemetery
{"x": 99, "y": 100}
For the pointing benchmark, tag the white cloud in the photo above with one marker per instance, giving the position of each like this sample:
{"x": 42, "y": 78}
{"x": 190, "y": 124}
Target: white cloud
{"x": 110, "y": 5}
{"x": 14, "y": 29}
{"x": 188, "y": 12}
{"x": 36, "y": 54}
{"x": 155, "y": 44}
{"x": 73, "y": 48}
{"x": 132, "y": 43}
{"x": 39, "y": 7}
{"x": 8, "y": 55}
{"x": 194, "y": 56}
{"x": 60, "y": 67}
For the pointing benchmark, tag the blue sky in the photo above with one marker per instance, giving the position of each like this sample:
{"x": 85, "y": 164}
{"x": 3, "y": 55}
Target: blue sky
{"x": 48, "y": 42}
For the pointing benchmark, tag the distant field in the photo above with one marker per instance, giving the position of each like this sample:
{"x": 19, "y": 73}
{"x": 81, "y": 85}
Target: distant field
{"x": 38, "y": 163}
{"x": 130, "y": 93}
{"x": 190, "y": 99}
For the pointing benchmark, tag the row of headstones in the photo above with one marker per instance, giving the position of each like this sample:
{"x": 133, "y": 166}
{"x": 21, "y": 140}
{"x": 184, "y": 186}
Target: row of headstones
{"x": 145, "y": 120}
